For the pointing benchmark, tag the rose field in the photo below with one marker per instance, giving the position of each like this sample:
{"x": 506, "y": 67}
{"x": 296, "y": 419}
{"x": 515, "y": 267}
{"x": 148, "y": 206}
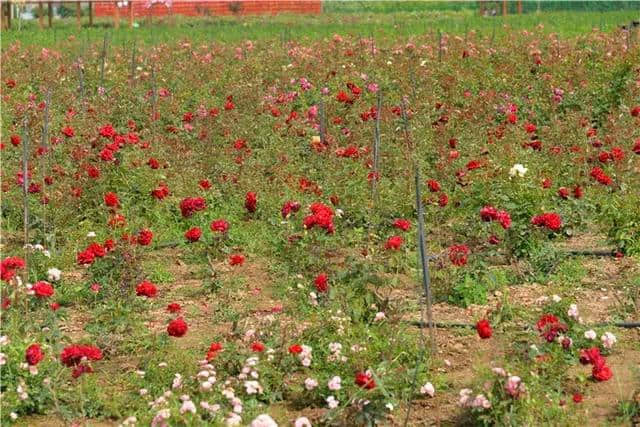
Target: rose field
{"x": 394, "y": 218}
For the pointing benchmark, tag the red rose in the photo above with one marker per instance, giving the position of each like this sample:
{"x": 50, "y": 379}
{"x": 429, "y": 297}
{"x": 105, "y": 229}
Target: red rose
{"x": 552, "y": 221}
{"x": 394, "y": 243}
{"x": 434, "y": 186}
{"x": 289, "y": 207}
{"x": 97, "y": 250}
{"x": 144, "y": 237}
{"x": 177, "y": 327}
{"x": 257, "y": 347}
{"x": 81, "y": 369}
{"x": 402, "y": 224}
{"x": 577, "y": 398}
{"x": 484, "y": 329}
{"x": 33, "y": 354}
{"x": 192, "y": 204}
{"x": 193, "y": 234}
{"x": 295, "y": 349}
{"x": 220, "y": 225}
{"x": 161, "y": 192}
{"x": 213, "y": 350}
{"x": 204, "y": 184}
{"x": 146, "y": 289}
{"x": 601, "y": 372}
{"x": 458, "y": 255}
{"x": 111, "y": 200}
{"x": 153, "y": 163}
{"x": 563, "y": 192}
{"x": 236, "y": 259}
{"x": 590, "y": 355}
{"x": 250, "y": 202}
{"x": 321, "y": 283}
{"x": 85, "y": 257}
{"x": 42, "y": 289}
{"x": 174, "y": 307}
{"x": 365, "y": 380}
{"x": 68, "y": 131}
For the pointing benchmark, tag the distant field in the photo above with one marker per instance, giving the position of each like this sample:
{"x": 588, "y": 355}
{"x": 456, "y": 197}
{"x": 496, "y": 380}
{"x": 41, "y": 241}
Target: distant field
{"x": 290, "y": 27}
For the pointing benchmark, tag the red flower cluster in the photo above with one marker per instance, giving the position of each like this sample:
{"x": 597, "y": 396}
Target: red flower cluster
{"x": 146, "y": 289}
{"x": 93, "y": 251}
{"x": 42, "y": 289}
{"x": 550, "y": 327}
{"x": 489, "y": 213}
{"x": 600, "y": 176}
{"x": 458, "y": 255}
{"x": 74, "y": 354}
{"x": 484, "y": 329}
{"x": 550, "y": 220}
{"x": 213, "y": 351}
{"x": 600, "y": 370}
{"x": 8, "y": 267}
{"x": 177, "y": 327}
{"x": 321, "y": 215}
{"x": 190, "y": 205}
{"x": 250, "y": 201}
{"x": 33, "y": 355}
{"x": 365, "y": 380}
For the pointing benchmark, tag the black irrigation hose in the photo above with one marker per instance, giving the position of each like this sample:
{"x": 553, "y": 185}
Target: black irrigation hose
{"x": 591, "y": 252}
{"x": 446, "y": 325}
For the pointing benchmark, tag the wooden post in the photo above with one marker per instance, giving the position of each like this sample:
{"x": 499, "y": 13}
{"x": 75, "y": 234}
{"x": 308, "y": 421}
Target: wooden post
{"x": 504, "y": 7}
{"x": 116, "y": 16}
{"x": 50, "y": 13}
{"x": 130, "y": 3}
{"x": 9, "y": 15}
{"x": 2, "y": 15}
{"x": 90, "y": 13}
{"x": 519, "y": 7}
{"x": 78, "y": 15}
{"x": 40, "y": 15}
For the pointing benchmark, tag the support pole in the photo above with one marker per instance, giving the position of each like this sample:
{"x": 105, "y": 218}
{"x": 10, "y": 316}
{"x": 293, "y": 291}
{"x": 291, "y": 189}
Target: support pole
{"x": 91, "y": 14}
{"x": 116, "y": 16}
{"x": 130, "y": 14}
{"x": 40, "y": 15}
{"x": 504, "y": 7}
{"x": 79, "y": 15}
{"x": 50, "y": 13}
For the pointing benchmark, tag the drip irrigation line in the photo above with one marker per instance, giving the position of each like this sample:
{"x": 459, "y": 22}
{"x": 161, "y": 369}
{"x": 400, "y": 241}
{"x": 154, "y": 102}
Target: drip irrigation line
{"x": 453, "y": 325}
{"x": 591, "y": 252}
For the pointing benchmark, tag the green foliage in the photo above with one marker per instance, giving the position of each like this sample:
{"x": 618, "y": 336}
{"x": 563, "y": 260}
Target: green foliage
{"x": 468, "y": 291}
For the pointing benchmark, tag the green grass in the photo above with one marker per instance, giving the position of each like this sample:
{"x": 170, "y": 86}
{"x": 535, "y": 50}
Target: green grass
{"x": 296, "y": 28}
